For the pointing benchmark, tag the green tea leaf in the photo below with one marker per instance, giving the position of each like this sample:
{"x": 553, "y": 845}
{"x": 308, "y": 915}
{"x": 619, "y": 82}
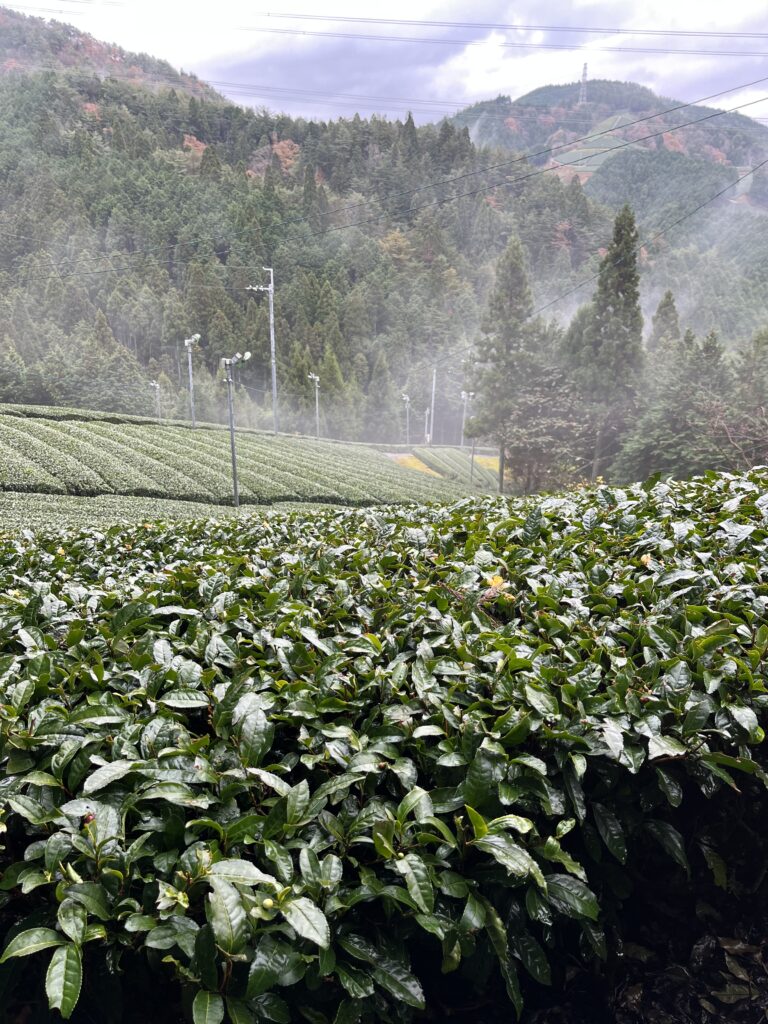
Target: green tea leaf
{"x": 64, "y": 979}
{"x": 31, "y": 941}
{"x": 242, "y": 872}
{"x": 308, "y": 920}
{"x": 418, "y": 881}
{"x": 207, "y": 1008}
{"x": 226, "y": 916}
{"x": 571, "y": 897}
{"x": 73, "y": 921}
{"x": 670, "y": 840}
{"x": 611, "y": 832}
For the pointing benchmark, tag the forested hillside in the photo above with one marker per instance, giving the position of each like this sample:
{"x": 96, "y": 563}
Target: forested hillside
{"x": 131, "y": 219}
{"x": 663, "y": 166}
{"x": 31, "y": 44}
{"x": 134, "y": 215}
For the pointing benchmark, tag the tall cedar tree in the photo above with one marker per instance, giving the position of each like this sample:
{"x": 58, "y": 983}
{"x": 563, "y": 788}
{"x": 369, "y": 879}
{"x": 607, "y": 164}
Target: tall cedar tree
{"x": 498, "y": 349}
{"x": 689, "y": 419}
{"x": 523, "y": 402}
{"x": 604, "y": 345}
{"x": 665, "y": 324}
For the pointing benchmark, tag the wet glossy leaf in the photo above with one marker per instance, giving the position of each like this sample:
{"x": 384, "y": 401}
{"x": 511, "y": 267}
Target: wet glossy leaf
{"x": 64, "y": 979}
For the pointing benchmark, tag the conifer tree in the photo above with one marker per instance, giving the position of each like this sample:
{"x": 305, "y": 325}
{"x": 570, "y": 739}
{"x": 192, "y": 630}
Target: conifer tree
{"x": 617, "y": 324}
{"x": 382, "y": 410}
{"x": 499, "y": 349}
{"x": 309, "y": 203}
{"x": 685, "y": 424}
{"x": 210, "y": 165}
{"x": 522, "y": 402}
{"x": 746, "y": 433}
{"x": 408, "y": 140}
{"x": 13, "y": 373}
{"x": 604, "y": 345}
{"x": 333, "y": 394}
{"x": 666, "y": 324}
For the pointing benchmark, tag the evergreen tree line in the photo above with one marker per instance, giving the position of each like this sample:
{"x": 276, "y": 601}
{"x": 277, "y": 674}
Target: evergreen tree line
{"x": 130, "y": 220}
{"x": 598, "y": 400}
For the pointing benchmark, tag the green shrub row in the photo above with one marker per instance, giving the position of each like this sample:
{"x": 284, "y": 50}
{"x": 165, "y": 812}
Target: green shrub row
{"x": 455, "y": 464}
{"x": 317, "y": 767}
{"x": 20, "y": 511}
{"x": 95, "y": 456}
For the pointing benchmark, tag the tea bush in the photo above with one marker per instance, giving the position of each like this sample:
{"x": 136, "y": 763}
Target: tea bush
{"x": 93, "y": 456}
{"x": 315, "y": 767}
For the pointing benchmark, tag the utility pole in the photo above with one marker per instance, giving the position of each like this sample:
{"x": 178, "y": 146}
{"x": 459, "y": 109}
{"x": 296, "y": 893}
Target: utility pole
{"x": 466, "y": 397}
{"x": 407, "y": 400}
{"x": 432, "y": 413}
{"x": 228, "y": 364}
{"x": 153, "y": 384}
{"x": 270, "y": 290}
{"x": 426, "y": 426}
{"x": 472, "y": 463}
{"x": 189, "y": 344}
{"x": 316, "y": 381}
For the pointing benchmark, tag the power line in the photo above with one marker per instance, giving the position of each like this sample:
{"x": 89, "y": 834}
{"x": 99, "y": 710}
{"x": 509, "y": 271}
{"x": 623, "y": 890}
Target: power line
{"x": 507, "y": 26}
{"x": 544, "y": 170}
{"x": 653, "y": 238}
{"x": 431, "y": 23}
{"x": 315, "y": 33}
{"x": 441, "y": 202}
{"x": 496, "y": 166}
{"x": 574, "y": 142}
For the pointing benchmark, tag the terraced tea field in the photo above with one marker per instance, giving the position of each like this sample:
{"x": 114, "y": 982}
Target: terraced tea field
{"x": 93, "y": 457}
{"x": 456, "y": 464}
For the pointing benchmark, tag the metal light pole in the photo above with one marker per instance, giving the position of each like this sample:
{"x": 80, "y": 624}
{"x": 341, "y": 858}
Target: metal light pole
{"x": 228, "y": 364}
{"x": 189, "y": 344}
{"x": 426, "y": 426}
{"x": 316, "y": 381}
{"x": 270, "y": 290}
{"x": 432, "y": 414}
{"x": 466, "y": 397}
{"x": 407, "y": 400}
{"x": 153, "y": 384}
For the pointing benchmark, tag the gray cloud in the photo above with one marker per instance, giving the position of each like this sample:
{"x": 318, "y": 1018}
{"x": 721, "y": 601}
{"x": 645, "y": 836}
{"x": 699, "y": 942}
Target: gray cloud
{"x": 423, "y": 71}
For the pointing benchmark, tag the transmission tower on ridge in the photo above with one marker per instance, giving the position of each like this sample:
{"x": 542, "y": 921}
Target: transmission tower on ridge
{"x": 583, "y": 87}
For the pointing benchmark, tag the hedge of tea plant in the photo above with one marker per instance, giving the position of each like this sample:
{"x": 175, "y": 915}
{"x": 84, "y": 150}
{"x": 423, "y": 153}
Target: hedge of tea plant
{"x": 457, "y": 464}
{"x": 335, "y": 767}
{"x": 94, "y": 457}
{"x": 22, "y": 511}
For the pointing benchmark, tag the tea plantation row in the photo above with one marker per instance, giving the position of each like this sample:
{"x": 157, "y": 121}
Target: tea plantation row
{"x": 93, "y": 457}
{"x": 362, "y": 766}
{"x": 457, "y": 464}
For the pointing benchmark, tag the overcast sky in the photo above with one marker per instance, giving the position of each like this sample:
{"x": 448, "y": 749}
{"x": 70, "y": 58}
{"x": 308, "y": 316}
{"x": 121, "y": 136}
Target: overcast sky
{"x": 261, "y": 59}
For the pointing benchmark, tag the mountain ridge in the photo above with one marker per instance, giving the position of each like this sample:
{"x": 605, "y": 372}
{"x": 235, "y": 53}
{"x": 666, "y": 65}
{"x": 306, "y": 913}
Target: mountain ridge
{"x": 133, "y": 216}
{"x": 32, "y": 44}
{"x": 552, "y": 117}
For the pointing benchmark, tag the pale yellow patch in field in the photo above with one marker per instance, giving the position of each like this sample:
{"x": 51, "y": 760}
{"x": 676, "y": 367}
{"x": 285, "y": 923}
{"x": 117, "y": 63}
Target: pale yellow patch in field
{"x": 488, "y": 462}
{"x": 411, "y": 462}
